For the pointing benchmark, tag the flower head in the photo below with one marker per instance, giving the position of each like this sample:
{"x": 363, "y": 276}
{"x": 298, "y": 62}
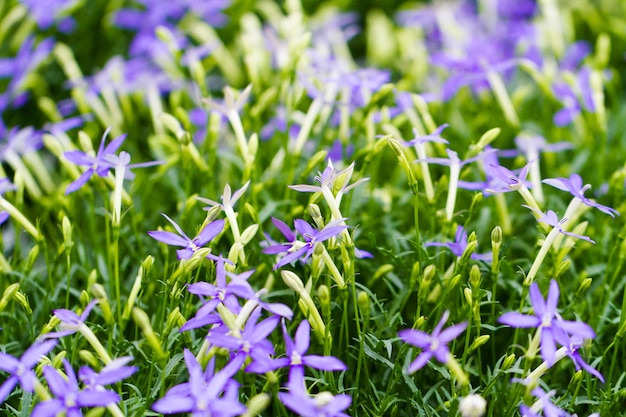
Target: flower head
{"x": 550, "y": 323}
{"x": 181, "y": 239}
{"x": 574, "y": 185}
{"x": 434, "y": 344}
{"x": 21, "y": 370}
{"x": 460, "y": 243}
{"x": 551, "y": 219}
{"x": 68, "y": 395}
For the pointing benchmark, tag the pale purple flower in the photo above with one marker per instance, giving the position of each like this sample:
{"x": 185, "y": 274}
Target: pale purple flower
{"x": 296, "y": 249}
{"x": 21, "y": 370}
{"x": 252, "y": 341}
{"x": 47, "y": 12}
{"x": 323, "y": 404}
{"x": 434, "y": 344}
{"x": 207, "y": 394}
{"x": 181, "y": 239}
{"x": 546, "y": 318}
{"x": 110, "y": 374}
{"x": 551, "y": 219}
{"x": 574, "y": 185}
{"x": 460, "y": 243}
{"x": 69, "y": 398}
{"x": 296, "y": 357}
{"x": 573, "y": 345}
{"x": 504, "y": 180}
{"x": 571, "y": 97}
{"x": 98, "y": 164}
{"x": 70, "y": 321}
{"x": 28, "y": 58}
{"x": 544, "y": 403}
{"x": 5, "y": 186}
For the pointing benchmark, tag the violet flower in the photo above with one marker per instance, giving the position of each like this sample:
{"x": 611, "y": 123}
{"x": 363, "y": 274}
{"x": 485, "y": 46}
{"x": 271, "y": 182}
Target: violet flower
{"x": 574, "y": 185}
{"x": 21, "y": 370}
{"x": 114, "y": 372}
{"x": 181, "y": 239}
{"x": 51, "y": 11}
{"x": 323, "y": 404}
{"x": 551, "y": 219}
{"x": 460, "y": 243}
{"x": 296, "y": 249}
{"x": 98, "y": 164}
{"x": 5, "y": 186}
{"x": 69, "y": 397}
{"x": 208, "y": 393}
{"x": 251, "y": 342}
{"x": 296, "y": 357}
{"x": 569, "y": 95}
{"x": 551, "y": 325}
{"x": 70, "y": 321}
{"x": 434, "y": 344}
{"x": 544, "y": 403}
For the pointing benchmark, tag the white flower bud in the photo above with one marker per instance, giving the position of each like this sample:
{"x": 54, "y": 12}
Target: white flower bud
{"x": 473, "y": 406}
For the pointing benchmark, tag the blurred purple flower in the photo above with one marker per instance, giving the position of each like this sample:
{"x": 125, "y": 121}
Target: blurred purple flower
{"x": 323, "y": 404}
{"x": 571, "y": 97}
{"x": 207, "y": 394}
{"x": 551, "y": 219}
{"x": 296, "y": 249}
{"x": 98, "y": 164}
{"x": 296, "y": 357}
{"x": 549, "y": 322}
{"x": 434, "y": 344}
{"x": 69, "y": 397}
{"x": 181, "y": 239}
{"x": 110, "y": 374}
{"x": 5, "y": 186}
{"x": 28, "y": 58}
{"x": 460, "y": 243}
{"x": 544, "y": 403}
{"x": 574, "y": 185}
{"x": 47, "y": 12}
{"x": 70, "y": 321}
{"x": 21, "y": 370}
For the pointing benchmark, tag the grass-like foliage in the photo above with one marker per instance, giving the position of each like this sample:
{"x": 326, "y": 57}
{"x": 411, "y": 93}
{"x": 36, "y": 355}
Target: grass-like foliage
{"x": 239, "y": 208}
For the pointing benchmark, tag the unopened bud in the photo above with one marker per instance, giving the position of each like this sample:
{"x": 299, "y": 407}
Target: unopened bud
{"x": 32, "y": 257}
{"x": 100, "y": 294}
{"x": 249, "y": 233}
{"x": 257, "y": 405}
{"x": 381, "y": 271}
{"x": 292, "y": 281}
{"x": 476, "y": 200}
{"x": 143, "y": 321}
{"x": 496, "y": 236}
{"x": 562, "y": 268}
{"x": 315, "y": 160}
{"x": 475, "y": 277}
{"x": 469, "y": 250}
{"x": 8, "y": 294}
{"x": 147, "y": 263}
{"x": 84, "y": 298}
{"x": 419, "y": 322}
{"x": 56, "y": 362}
{"x": 454, "y": 281}
{"x": 316, "y": 215}
{"x": 575, "y": 380}
{"x": 253, "y": 144}
{"x": 66, "y": 226}
{"x": 23, "y": 301}
{"x": 467, "y": 292}
{"x": 323, "y": 292}
{"x": 89, "y": 357}
{"x": 584, "y": 286}
{"x": 132, "y": 297}
{"x": 478, "y": 342}
{"x": 508, "y": 362}
{"x": 429, "y": 274}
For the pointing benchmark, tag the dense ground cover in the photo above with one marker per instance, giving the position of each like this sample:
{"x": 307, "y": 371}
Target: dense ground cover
{"x": 229, "y": 208}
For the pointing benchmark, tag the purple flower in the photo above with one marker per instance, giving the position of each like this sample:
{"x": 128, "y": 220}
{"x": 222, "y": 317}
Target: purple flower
{"x": 573, "y": 345}
{"x": 504, "y": 180}
{"x": 296, "y": 357}
{"x": 549, "y": 322}
{"x": 98, "y": 164}
{"x": 574, "y": 185}
{"x": 323, "y": 404}
{"x": 296, "y": 249}
{"x": 551, "y": 219}
{"x": 544, "y": 403}
{"x": 21, "y": 370}
{"x": 434, "y": 344}
{"x": 208, "y": 393}
{"x": 45, "y": 13}
{"x": 70, "y": 321}
{"x": 181, "y": 239}
{"x": 5, "y": 186}
{"x": 18, "y": 68}
{"x": 251, "y": 342}
{"x": 69, "y": 397}
{"x": 569, "y": 95}
{"x": 110, "y": 374}
{"x": 460, "y": 243}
